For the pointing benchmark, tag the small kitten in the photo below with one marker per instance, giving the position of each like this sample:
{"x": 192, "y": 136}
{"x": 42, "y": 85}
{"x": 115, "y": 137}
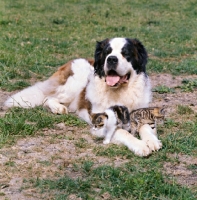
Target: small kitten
{"x": 105, "y": 124}
{"x": 150, "y": 115}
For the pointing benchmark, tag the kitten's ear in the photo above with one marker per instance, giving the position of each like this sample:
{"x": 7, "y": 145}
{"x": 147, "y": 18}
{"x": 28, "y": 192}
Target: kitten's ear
{"x": 102, "y": 117}
{"x": 159, "y": 111}
{"x": 91, "y": 116}
{"x": 106, "y": 115}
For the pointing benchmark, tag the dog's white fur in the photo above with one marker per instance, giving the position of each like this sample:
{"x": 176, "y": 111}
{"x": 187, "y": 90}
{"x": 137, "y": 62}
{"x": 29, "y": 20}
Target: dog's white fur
{"x": 53, "y": 95}
{"x": 120, "y": 136}
{"x": 61, "y": 93}
{"x": 135, "y": 95}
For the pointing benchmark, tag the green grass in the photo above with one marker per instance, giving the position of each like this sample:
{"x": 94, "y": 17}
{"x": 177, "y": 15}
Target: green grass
{"x": 163, "y": 89}
{"x": 188, "y": 85}
{"x": 121, "y": 183}
{"x": 20, "y": 122}
{"x": 39, "y": 36}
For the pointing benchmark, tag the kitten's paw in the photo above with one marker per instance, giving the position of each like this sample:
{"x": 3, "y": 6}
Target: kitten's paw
{"x": 154, "y": 144}
{"x": 106, "y": 141}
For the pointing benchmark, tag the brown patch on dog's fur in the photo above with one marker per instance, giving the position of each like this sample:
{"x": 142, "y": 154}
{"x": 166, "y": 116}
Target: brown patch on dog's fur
{"x": 91, "y": 61}
{"x": 63, "y": 73}
{"x": 83, "y": 102}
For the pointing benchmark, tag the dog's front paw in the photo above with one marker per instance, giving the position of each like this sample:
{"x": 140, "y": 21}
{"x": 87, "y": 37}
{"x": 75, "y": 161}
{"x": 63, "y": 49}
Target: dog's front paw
{"x": 141, "y": 149}
{"x": 154, "y": 144}
{"x": 148, "y": 135}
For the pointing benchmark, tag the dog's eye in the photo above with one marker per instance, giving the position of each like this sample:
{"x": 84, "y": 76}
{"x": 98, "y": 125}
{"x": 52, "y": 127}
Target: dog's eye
{"x": 125, "y": 52}
{"x": 108, "y": 50}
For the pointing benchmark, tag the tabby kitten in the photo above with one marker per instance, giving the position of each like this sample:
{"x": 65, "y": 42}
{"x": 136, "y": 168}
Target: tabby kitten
{"x": 150, "y": 115}
{"x": 105, "y": 124}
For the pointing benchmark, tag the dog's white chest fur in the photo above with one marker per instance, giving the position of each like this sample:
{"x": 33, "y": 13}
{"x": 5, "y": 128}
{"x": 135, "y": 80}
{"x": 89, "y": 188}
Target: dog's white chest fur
{"x": 136, "y": 94}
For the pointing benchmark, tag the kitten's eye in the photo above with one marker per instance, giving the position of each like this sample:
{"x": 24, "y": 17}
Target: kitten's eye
{"x": 99, "y": 120}
{"x": 100, "y": 125}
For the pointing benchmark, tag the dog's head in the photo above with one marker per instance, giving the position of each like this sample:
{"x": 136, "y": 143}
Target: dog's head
{"x": 117, "y": 58}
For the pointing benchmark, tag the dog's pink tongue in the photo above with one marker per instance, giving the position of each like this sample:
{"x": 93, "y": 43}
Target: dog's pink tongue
{"x": 112, "y": 80}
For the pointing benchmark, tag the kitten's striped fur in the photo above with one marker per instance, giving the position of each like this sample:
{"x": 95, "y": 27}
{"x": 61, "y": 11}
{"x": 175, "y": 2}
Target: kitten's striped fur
{"x": 119, "y": 117}
{"x": 150, "y": 115}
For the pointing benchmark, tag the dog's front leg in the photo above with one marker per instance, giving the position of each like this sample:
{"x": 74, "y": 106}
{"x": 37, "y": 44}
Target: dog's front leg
{"x": 137, "y": 146}
{"x": 148, "y": 135}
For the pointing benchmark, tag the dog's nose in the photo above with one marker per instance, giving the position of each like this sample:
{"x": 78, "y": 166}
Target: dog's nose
{"x": 112, "y": 60}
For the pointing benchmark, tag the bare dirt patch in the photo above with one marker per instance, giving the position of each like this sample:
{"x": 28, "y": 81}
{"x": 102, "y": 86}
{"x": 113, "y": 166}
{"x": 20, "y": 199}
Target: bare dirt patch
{"x": 169, "y": 80}
{"x": 53, "y": 153}
{"x": 49, "y": 156}
{"x": 184, "y": 170}
{"x": 171, "y": 100}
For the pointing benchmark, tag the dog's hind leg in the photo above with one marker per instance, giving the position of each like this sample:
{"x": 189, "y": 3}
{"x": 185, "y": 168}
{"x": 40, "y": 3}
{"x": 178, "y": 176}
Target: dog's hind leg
{"x": 28, "y": 97}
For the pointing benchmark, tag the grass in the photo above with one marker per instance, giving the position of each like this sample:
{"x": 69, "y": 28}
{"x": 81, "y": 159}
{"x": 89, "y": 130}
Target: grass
{"x": 162, "y": 89}
{"x": 188, "y": 85}
{"x": 130, "y": 183}
{"x": 38, "y": 36}
{"x": 23, "y": 122}
{"x": 37, "y": 39}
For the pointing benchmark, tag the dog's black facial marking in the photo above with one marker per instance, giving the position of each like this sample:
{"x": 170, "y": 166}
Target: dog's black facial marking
{"x": 107, "y": 50}
{"x": 126, "y": 52}
{"x": 102, "y": 50}
{"x": 135, "y": 53}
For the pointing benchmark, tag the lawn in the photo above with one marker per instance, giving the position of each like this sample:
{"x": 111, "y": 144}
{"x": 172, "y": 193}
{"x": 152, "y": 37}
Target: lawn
{"x": 47, "y": 156}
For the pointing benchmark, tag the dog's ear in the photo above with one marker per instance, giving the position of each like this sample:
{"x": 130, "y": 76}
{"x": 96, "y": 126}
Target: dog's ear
{"x": 99, "y": 57}
{"x": 139, "y": 55}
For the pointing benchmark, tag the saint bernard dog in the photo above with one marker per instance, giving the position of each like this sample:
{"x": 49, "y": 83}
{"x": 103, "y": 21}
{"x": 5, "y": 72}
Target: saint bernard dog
{"x": 116, "y": 76}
